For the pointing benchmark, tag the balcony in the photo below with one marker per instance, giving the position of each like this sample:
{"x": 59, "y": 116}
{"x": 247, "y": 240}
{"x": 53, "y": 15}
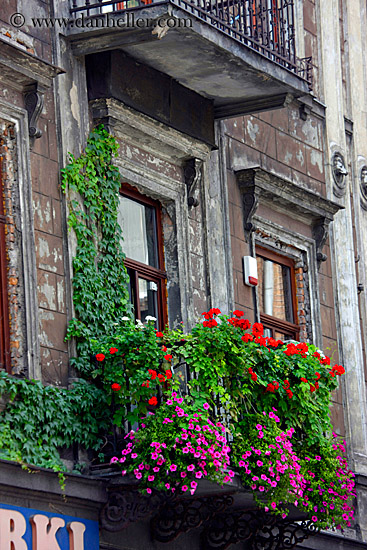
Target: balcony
{"x": 240, "y": 55}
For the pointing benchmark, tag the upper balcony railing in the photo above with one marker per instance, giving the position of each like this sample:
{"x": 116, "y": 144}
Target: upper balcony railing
{"x": 266, "y": 26}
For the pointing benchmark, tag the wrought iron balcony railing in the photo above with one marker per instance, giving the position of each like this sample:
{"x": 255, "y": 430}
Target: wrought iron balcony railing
{"x": 266, "y": 26}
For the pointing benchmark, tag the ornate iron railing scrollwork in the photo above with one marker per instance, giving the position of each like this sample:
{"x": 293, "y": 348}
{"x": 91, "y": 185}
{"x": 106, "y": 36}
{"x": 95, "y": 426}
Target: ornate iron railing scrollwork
{"x": 128, "y": 506}
{"x": 184, "y": 514}
{"x": 257, "y": 529}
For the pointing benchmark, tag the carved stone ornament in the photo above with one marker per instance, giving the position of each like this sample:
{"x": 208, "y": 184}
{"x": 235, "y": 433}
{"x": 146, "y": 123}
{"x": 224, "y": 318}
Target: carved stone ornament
{"x": 33, "y": 102}
{"x": 193, "y": 174}
{"x": 363, "y": 187}
{"x": 339, "y": 174}
{"x": 250, "y": 202}
{"x": 320, "y": 233}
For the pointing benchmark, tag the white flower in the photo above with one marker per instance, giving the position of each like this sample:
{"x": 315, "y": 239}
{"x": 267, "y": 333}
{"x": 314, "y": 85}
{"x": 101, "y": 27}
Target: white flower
{"x": 150, "y": 318}
{"x": 125, "y": 318}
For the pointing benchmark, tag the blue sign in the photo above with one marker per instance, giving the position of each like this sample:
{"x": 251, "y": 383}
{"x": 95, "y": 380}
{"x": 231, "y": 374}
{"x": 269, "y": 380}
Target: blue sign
{"x": 29, "y": 529}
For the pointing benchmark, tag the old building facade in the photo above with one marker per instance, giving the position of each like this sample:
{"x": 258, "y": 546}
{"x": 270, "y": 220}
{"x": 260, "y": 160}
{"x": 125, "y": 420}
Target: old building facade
{"x": 242, "y": 129}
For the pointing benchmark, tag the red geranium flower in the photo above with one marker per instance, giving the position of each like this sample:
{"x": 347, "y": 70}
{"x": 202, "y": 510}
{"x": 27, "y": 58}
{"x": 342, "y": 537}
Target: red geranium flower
{"x": 304, "y": 380}
{"x": 244, "y": 324}
{"x": 214, "y": 311}
{"x": 113, "y": 350}
{"x": 168, "y": 357}
{"x": 247, "y": 337}
{"x": 153, "y": 374}
{"x": 146, "y": 384}
{"x": 161, "y": 378}
{"x": 100, "y": 357}
{"x": 153, "y": 401}
{"x": 257, "y": 329}
{"x": 286, "y": 384}
{"x": 238, "y": 313}
{"x": 115, "y": 387}
{"x": 254, "y": 376}
{"x": 273, "y": 343}
{"x": 337, "y": 369}
{"x": 168, "y": 374}
{"x": 302, "y": 347}
{"x": 291, "y": 350}
{"x": 290, "y": 394}
{"x": 210, "y": 324}
{"x": 312, "y": 388}
{"x": 159, "y": 334}
{"x": 164, "y": 348}
{"x": 325, "y": 361}
{"x": 260, "y": 340}
{"x": 270, "y": 387}
{"x": 317, "y": 375}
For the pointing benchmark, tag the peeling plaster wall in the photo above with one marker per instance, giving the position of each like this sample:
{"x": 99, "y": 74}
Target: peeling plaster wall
{"x": 18, "y": 342}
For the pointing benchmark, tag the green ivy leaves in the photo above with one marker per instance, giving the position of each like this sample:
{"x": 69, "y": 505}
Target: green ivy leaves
{"x": 100, "y": 280}
{"x": 38, "y": 420}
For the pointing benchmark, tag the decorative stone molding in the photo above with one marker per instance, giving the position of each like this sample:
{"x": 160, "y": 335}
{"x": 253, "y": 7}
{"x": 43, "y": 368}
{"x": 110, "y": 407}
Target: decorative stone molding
{"x": 193, "y": 175}
{"x": 256, "y": 185}
{"x": 339, "y": 174}
{"x": 33, "y": 102}
{"x": 363, "y": 186}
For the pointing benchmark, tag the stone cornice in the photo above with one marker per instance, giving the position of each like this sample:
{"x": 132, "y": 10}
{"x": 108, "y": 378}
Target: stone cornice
{"x": 19, "y": 68}
{"x": 294, "y": 199}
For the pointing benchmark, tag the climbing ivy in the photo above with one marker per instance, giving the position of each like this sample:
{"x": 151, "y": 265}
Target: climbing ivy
{"x": 100, "y": 293}
{"x": 37, "y": 420}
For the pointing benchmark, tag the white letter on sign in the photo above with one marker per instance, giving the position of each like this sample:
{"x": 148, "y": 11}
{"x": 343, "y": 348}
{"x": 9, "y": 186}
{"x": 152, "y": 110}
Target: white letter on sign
{"x": 44, "y": 532}
{"x": 76, "y": 535}
{"x": 12, "y": 529}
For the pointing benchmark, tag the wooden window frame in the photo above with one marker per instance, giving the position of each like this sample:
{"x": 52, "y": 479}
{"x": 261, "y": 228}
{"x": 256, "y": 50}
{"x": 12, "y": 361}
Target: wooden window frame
{"x": 274, "y": 323}
{"x": 5, "y": 357}
{"x": 144, "y": 271}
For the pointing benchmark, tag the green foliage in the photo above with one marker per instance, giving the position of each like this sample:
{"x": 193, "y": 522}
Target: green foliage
{"x": 100, "y": 294}
{"x": 38, "y": 420}
{"x": 130, "y": 351}
{"x": 242, "y": 378}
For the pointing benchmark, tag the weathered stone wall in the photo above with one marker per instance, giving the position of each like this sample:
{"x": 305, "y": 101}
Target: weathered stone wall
{"x": 46, "y": 197}
{"x": 13, "y": 235}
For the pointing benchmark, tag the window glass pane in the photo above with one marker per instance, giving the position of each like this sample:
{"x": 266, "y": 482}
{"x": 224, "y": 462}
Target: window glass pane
{"x": 282, "y": 336}
{"x": 274, "y": 289}
{"x": 148, "y": 291}
{"x": 139, "y": 229}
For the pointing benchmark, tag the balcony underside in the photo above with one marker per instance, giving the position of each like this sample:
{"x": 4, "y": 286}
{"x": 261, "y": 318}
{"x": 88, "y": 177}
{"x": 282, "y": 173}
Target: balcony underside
{"x": 235, "y": 77}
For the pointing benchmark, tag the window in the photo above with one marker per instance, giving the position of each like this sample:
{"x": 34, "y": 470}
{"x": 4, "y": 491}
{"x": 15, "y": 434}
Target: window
{"x": 277, "y": 295}
{"x": 140, "y": 220}
{"x": 4, "y": 311}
